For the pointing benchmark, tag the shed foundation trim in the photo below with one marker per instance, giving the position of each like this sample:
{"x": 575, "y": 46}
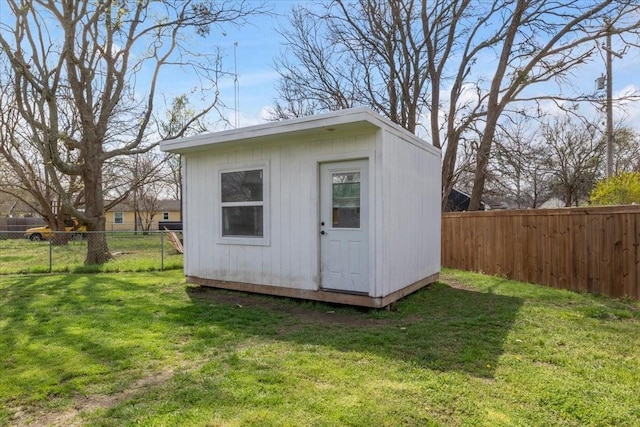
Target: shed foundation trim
{"x": 320, "y": 295}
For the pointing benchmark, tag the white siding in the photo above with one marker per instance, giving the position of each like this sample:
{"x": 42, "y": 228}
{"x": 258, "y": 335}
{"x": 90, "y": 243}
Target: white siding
{"x": 291, "y": 258}
{"x": 404, "y": 202}
{"x": 410, "y": 214}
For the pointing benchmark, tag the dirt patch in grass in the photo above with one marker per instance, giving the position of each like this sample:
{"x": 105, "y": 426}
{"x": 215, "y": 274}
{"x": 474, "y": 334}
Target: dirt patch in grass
{"x": 71, "y": 416}
{"x": 449, "y": 280}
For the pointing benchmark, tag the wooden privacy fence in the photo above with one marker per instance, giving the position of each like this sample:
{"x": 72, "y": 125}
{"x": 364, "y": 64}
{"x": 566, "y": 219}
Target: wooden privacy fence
{"x": 593, "y": 249}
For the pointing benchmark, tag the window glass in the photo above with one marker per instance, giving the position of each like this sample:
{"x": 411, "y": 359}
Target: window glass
{"x": 118, "y": 218}
{"x": 346, "y": 199}
{"x": 242, "y": 186}
{"x": 165, "y": 216}
{"x": 242, "y": 221}
{"x": 242, "y": 202}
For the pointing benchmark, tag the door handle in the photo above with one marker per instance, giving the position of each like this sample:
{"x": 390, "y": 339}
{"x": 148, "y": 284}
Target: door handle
{"x": 323, "y": 232}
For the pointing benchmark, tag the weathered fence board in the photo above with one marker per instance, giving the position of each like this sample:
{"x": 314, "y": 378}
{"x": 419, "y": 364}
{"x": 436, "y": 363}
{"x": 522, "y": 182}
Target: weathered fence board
{"x": 595, "y": 249}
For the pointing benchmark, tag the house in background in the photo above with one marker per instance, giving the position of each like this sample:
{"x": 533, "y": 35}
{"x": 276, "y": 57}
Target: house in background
{"x": 16, "y": 216}
{"x": 10, "y": 207}
{"x": 341, "y": 207}
{"x": 552, "y": 203}
{"x": 458, "y": 201}
{"x": 124, "y": 217}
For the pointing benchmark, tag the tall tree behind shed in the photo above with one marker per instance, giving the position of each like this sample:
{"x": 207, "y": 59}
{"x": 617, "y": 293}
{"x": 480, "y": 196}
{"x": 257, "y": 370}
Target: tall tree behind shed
{"x": 456, "y": 66}
{"x": 346, "y": 54}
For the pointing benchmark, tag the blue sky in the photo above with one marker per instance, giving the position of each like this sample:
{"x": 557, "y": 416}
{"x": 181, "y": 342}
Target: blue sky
{"x": 259, "y": 43}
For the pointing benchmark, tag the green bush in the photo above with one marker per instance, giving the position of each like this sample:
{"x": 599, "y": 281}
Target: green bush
{"x": 622, "y": 189}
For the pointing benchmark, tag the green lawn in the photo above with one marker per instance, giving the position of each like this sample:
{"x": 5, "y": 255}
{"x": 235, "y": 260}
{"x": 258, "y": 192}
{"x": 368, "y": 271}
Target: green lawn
{"x": 131, "y": 252}
{"x": 144, "y": 348}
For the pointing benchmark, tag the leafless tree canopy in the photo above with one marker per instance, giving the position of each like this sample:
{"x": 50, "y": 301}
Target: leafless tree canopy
{"x": 83, "y": 77}
{"x": 458, "y": 66}
{"x": 350, "y": 54}
{"x": 576, "y": 152}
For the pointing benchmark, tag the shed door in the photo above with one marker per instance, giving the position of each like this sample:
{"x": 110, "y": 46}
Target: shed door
{"x": 344, "y": 227}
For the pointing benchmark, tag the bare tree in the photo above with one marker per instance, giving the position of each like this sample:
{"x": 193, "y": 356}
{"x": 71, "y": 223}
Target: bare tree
{"x": 489, "y": 53}
{"x": 151, "y": 190}
{"x": 626, "y": 150}
{"x": 348, "y": 54}
{"x": 26, "y": 176}
{"x": 542, "y": 40}
{"x": 575, "y": 157}
{"x": 178, "y": 120}
{"x": 473, "y": 63}
{"x": 77, "y": 75}
{"x": 519, "y": 168}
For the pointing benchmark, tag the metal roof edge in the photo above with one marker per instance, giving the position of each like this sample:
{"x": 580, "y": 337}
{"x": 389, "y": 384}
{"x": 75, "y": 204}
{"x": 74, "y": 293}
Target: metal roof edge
{"x": 301, "y": 124}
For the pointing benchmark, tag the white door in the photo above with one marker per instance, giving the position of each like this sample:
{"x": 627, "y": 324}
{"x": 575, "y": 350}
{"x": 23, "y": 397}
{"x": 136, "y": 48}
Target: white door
{"x": 344, "y": 227}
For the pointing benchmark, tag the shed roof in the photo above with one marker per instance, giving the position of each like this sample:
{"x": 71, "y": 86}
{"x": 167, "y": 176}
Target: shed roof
{"x": 353, "y": 118}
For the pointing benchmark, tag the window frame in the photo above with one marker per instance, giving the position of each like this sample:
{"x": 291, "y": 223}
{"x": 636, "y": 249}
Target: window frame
{"x": 165, "y": 216}
{"x": 120, "y": 216}
{"x": 265, "y": 239}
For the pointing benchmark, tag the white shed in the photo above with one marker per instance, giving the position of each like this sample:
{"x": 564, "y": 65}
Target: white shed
{"x": 341, "y": 207}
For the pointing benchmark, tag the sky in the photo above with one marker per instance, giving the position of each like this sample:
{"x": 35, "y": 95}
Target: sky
{"x": 250, "y": 52}
{"x": 259, "y": 43}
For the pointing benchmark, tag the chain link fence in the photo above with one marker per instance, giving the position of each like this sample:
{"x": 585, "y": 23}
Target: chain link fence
{"x": 56, "y": 252}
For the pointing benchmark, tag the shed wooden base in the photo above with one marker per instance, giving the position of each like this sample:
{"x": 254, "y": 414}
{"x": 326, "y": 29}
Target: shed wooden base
{"x": 320, "y": 295}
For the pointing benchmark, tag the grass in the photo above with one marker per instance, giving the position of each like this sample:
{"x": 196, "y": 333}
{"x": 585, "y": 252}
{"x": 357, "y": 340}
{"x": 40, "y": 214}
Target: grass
{"x": 144, "y": 348}
{"x": 132, "y": 252}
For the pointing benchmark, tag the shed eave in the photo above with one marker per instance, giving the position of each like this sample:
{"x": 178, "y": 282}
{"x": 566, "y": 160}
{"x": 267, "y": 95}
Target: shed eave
{"x": 335, "y": 121}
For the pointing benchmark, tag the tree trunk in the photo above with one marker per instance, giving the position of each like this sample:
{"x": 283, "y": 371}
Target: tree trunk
{"x": 448, "y": 167}
{"x": 97, "y": 248}
{"x": 482, "y": 160}
{"x": 494, "y": 108}
{"x": 59, "y": 237}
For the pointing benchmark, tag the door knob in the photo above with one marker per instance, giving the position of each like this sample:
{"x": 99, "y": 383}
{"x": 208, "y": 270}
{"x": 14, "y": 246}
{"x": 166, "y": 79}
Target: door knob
{"x": 323, "y": 232}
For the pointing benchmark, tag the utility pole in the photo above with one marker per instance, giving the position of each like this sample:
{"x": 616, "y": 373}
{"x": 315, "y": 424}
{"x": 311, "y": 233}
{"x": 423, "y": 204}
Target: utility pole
{"x": 609, "y": 102}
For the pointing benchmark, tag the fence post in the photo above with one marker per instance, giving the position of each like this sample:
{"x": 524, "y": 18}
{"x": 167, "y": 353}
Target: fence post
{"x": 161, "y": 250}
{"x": 51, "y": 251}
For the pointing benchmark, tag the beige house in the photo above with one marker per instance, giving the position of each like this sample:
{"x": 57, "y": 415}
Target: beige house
{"x": 122, "y": 217}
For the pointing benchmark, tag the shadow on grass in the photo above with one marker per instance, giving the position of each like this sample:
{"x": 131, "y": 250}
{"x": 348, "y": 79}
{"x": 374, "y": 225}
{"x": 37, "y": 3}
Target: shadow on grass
{"x": 64, "y": 335}
{"x": 440, "y": 327}
{"x": 79, "y": 325}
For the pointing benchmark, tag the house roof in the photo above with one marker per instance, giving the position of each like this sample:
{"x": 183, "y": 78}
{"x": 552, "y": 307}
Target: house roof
{"x": 353, "y": 118}
{"x": 163, "y": 206}
{"x": 459, "y": 201}
{"x": 552, "y": 203}
{"x": 10, "y": 206}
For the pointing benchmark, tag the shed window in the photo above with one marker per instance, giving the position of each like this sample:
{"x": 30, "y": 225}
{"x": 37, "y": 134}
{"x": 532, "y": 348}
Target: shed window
{"x": 118, "y": 218}
{"x": 242, "y": 203}
{"x": 165, "y": 216}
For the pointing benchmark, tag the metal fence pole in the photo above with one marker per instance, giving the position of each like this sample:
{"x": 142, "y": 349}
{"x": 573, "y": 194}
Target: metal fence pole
{"x": 161, "y": 250}
{"x": 51, "y": 252}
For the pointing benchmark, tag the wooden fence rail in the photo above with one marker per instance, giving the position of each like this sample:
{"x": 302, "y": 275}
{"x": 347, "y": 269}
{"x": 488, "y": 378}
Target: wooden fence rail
{"x": 582, "y": 249}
